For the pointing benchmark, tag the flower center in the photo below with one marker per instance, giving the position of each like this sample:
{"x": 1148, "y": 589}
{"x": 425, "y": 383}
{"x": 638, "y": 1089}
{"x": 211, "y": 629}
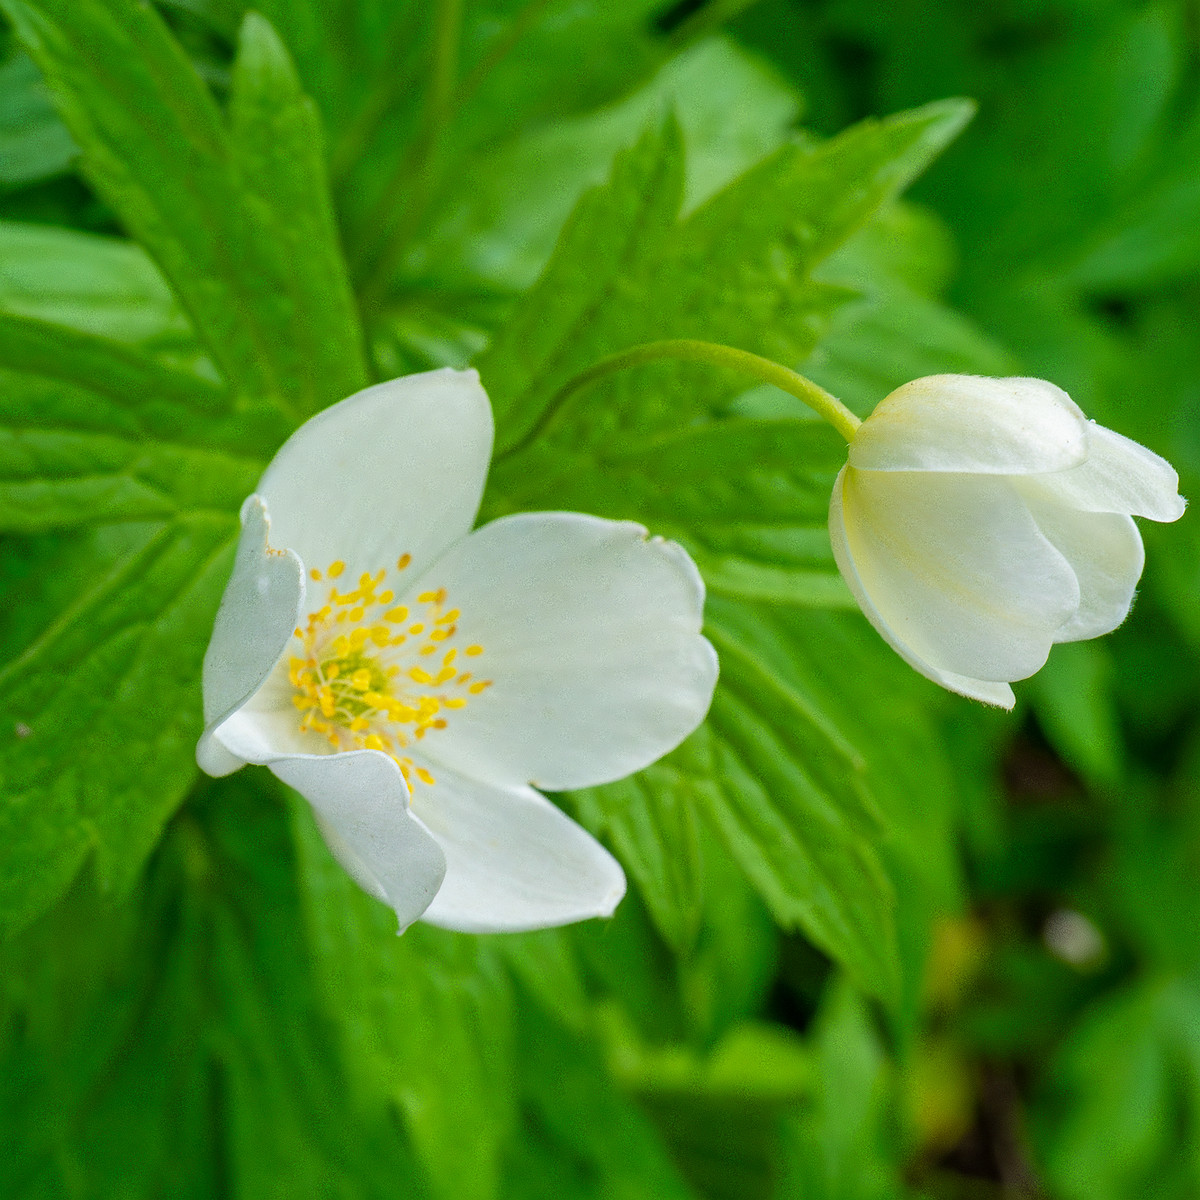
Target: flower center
{"x": 371, "y": 675}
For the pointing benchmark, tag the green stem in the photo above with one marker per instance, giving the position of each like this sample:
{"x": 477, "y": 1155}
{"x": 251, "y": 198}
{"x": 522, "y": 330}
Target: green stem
{"x": 828, "y": 407}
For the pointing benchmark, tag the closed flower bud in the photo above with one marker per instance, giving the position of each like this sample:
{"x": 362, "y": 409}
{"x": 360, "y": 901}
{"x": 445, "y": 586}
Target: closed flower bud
{"x": 979, "y": 521}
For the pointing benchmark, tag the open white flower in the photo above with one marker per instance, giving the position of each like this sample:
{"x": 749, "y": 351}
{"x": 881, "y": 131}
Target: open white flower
{"x": 412, "y": 679}
{"x": 979, "y": 521}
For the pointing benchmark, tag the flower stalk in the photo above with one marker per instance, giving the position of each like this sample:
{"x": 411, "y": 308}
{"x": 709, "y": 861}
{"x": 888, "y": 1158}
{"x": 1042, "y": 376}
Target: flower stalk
{"x": 827, "y": 406}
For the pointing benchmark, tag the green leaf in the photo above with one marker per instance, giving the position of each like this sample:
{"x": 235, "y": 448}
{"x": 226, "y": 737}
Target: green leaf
{"x": 56, "y": 352}
{"x": 650, "y": 819}
{"x": 210, "y": 212}
{"x": 98, "y": 285}
{"x": 785, "y": 793}
{"x": 102, "y": 705}
{"x": 74, "y": 457}
{"x": 423, "y": 1021}
{"x": 842, "y": 1150}
{"x": 587, "y": 1139}
{"x": 736, "y": 270}
{"x": 175, "y": 1045}
{"x": 34, "y": 144}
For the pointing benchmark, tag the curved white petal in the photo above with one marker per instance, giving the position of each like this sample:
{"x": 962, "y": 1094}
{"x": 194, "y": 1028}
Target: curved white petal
{"x": 513, "y": 860}
{"x": 1120, "y": 476}
{"x": 1105, "y": 552}
{"x": 591, "y": 637}
{"x": 990, "y": 692}
{"x": 955, "y": 569}
{"x": 361, "y": 803}
{"x": 258, "y": 612}
{"x": 972, "y": 424}
{"x": 397, "y": 468}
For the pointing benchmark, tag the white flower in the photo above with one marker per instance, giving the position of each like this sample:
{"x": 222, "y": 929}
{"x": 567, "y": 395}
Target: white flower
{"x": 412, "y": 679}
{"x": 979, "y": 521}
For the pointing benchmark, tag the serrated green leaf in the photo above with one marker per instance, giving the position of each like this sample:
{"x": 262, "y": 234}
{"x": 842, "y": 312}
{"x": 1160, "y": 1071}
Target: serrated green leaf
{"x": 736, "y": 270}
{"x": 155, "y": 146}
{"x": 650, "y": 820}
{"x": 74, "y": 457}
{"x": 102, "y": 705}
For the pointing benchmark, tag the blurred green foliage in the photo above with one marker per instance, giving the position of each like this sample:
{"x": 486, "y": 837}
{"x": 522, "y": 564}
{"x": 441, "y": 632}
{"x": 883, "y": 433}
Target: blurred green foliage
{"x": 879, "y": 942}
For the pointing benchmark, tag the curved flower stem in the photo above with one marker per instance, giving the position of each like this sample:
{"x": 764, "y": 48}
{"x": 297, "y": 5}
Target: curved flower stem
{"x": 828, "y": 407}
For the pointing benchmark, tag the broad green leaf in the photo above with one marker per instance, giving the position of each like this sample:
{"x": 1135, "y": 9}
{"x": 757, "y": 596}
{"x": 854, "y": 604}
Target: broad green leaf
{"x": 720, "y": 1110}
{"x": 121, "y": 374}
{"x": 785, "y": 791}
{"x": 103, "y": 707}
{"x": 33, "y": 142}
{"x": 588, "y": 1140}
{"x": 175, "y": 1045}
{"x": 214, "y": 213}
{"x": 748, "y": 497}
{"x": 650, "y": 820}
{"x": 881, "y": 708}
{"x": 73, "y": 457}
{"x": 502, "y": 229}
{"x": 736, "y": 270}
{"x": 98, "y": 285}
{"x": 424, "y": 1021}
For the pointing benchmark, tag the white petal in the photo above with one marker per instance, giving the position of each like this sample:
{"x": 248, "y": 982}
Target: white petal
{"x": 397, "y": 468}
{"x": 258, "y": 612}
{"x": 955, "y": 569}
{"x": 1105, "y": 552}
{"x": 990, "y": 692}
{"x": 513, "y": 860}
{"x": 591, "y": 636}
{"x": 1120, "y": 476}
{"x": 972, "y": 424}
{"x": 361, "y": 803}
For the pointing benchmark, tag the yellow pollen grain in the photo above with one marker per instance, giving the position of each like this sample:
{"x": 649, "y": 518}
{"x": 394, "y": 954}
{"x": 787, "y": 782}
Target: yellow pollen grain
{"x": 428, "y": 597}
{"x": 386, "y": 597}
{"x": 315, "y": 573}
{"x": 482, "y": 685}
{"x": 455, "y": 702}
{"x": 474, "y": 650}
{"x": 403, "y": 561}
{"x": 445, "y": 675}
{"x": 418, "y": 675}
{"x": 423, "y": 775}
{"x": 373, "y": 742}
{"x": 356, "y": 614}
{"x": 359, "y": 724}
{"x": 425, "y": 650}
{"x": 396, "y": 615}
{"x": 336, "y": 568}
{"x": 449, "y": 618}
{"x": 361, "y": 679}
{"x": 381, "y": 635}
{"x": 440, "y": 635}
{"x": 449, "y": 656}
{"x": 417, "y": 628}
